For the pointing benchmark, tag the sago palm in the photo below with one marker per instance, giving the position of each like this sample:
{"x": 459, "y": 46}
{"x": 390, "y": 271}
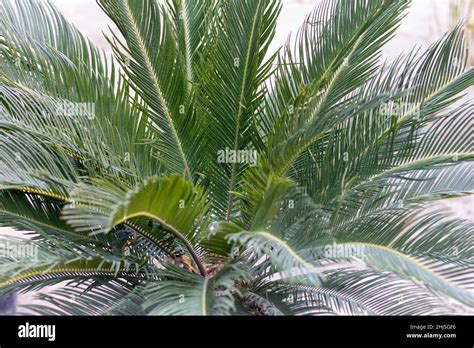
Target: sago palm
{"x": 195, "y": 172}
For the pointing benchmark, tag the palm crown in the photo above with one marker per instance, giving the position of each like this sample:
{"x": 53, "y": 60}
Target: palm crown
{"x": 195, "y": 172}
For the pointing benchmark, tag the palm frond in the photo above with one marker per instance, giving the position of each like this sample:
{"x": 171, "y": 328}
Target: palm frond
{"x": 236, "y": 64}
{"x": 98, "y": 297}
{"x": 325, "y": 85}
{"x": 184, "y": 293}
{"x": 172, "y": 202}
{"x": 150, "y": 41}
{"x": 213, "y": 177}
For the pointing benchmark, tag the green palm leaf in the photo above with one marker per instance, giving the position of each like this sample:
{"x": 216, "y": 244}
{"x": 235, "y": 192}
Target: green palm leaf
{"x": 214, "y": 177}
{"x": 183, "y": 293}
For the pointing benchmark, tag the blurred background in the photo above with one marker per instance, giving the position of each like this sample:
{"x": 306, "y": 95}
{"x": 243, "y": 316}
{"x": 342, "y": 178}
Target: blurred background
{"x": 426, "y": 21}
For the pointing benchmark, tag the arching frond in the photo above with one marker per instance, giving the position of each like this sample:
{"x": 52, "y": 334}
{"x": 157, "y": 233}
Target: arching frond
{"x": 184, "y": 293}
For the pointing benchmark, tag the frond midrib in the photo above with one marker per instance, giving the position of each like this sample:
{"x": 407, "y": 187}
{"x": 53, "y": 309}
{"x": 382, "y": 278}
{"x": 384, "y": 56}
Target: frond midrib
{"x": 357, "y": 38}
{"x": 285, "y": 245}
{"x": 158, "y": 90}
{"x": 407, "y": 115}
{"x": 63, "y": 271}
{"x": 233, "y": 176}
{"x": 187, "y": 47}
{"x": 409, "y": 259}
{"x": 204, "y": 296}
{"x": 169, "y": 228}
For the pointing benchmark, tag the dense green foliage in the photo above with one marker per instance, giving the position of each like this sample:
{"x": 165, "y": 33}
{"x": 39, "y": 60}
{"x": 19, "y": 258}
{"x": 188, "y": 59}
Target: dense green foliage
{"x": 195, "y": 172}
